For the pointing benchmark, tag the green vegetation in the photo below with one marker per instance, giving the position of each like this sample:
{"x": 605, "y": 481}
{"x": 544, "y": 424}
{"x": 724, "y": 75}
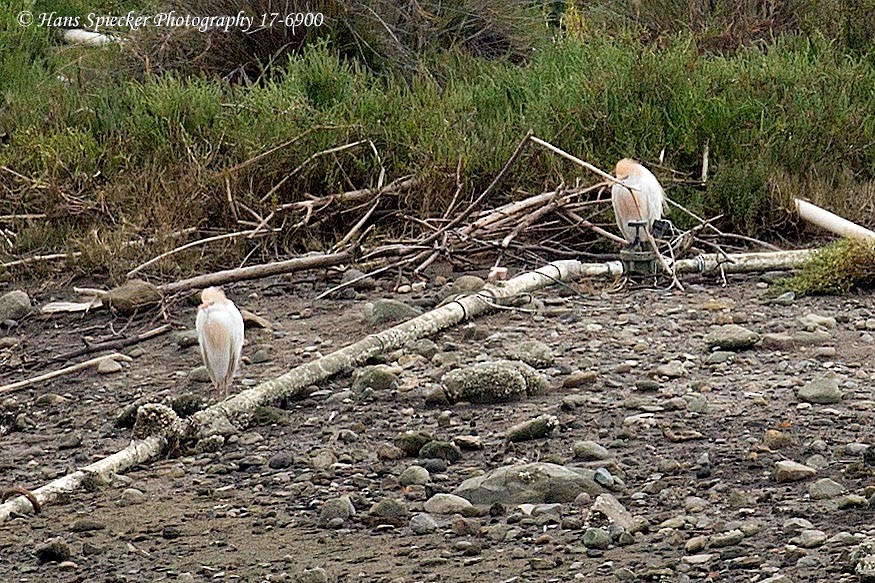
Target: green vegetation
{"x": 838, "y": 268}
{"x": 125, "y": 142}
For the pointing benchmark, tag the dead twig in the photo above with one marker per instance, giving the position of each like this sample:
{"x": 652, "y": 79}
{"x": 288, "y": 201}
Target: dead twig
{"x": 61, "y": 372}
{"x": 113, "y": 344}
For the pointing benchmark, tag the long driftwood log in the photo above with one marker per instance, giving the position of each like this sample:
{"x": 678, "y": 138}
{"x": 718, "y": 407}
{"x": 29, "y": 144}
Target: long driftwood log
{"x": 234, "y": 413}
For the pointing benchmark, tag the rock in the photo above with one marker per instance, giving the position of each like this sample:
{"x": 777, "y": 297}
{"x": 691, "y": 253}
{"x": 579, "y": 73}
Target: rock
{"x": 533, "y": 352}
{"x": 362, "y": 284}
{"x": 811, "y": 322}
{"x": 187, "y": 404}
{"x": 200, "y": 375}
{"x": 774, "y": 439}
{"x": 281, "y": 460}
{"x": 468, "y": 442}
{"x": 388, "y": 511}
{"x": 423, "y": 347}
{"x": 529, "y": 483}
{"x": 260, "y": 356}
{"x": 410, "y": 442}
{"x": 252, "y": 320}
{"x": 719, "y": 357}
{"x": 423, "y": 523}
{"x": 446, "y": 504}
{"x": 777, "y": 341}
{"x": 383, "y": 311}
{"x": 379, "y": 377}
{"x": 70, "y": 441}
{"x": 809, "y": 539}
{"x": 442, "y": 450}
{"x": 323, "y": 460}
{"x": 132, "y": 496}
{"x": 672, "y": 369}
{"x": 533, "y": 429}
{"x": 335, "y": 508}
{"x": 493, "y": 382}
{"x": 315, "y": 575}
{"x": 726, "y": 539}
{"x": 185, "y": 338}
{"x": 825, "y": 488}
{"x": 132, "y": 295}
{"x": 607, "y": 507}
{"x": 14, "y": 305}
{"x": 580, "y": 378}
{"x": 414, "y": 475}
{"x": 589, "y": 451}
{"x": 731, "y": 337}
{"x": 52, "y": 550}
{"x": 790, "y": 471}
{"x": 822, "y": 391}
{"x": 86, "y": 525}
{"x": 596, "y": 538}
{"x": 109, "y": 366}
{"x": 267, "y": 415}
{"x": 467, "y": 283}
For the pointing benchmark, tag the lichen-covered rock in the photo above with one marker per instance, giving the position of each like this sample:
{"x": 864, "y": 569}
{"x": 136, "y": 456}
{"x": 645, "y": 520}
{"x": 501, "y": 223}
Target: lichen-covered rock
{"x": 410, "y": 442}
{"x": 443, "y": 450}
{"x": 379, "y": 377}
{"x": 534, "y": 353}
{"x": 156, "y": 419}
{"x": 14, "y": 305}
{"x": 493, "y": 382}
{"x": 389, "y": 310}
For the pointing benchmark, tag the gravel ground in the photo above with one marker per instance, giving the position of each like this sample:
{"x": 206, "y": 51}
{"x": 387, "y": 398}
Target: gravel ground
{"x": 693, "y": 443}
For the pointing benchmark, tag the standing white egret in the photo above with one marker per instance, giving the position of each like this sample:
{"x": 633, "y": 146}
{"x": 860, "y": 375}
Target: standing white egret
{"x": 220, "y": 336}
{"x": 643, "y": 203}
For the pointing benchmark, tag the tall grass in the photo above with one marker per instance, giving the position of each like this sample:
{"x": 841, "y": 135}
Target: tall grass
{"x": 112, "y": 153}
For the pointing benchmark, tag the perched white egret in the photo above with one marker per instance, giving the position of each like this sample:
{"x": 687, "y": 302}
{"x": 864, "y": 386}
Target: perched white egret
{"x": 644, "y": 202}
{"x": 220, "y": 336}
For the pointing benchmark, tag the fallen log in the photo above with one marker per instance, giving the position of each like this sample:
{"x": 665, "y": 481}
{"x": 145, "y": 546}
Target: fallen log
{"x": 61, "y": 372}
{"x": 831, "y": 222}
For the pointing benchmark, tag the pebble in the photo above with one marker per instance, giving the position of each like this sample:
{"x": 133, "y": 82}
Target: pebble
{"x": 825, "y": 488}
{"x": 731, "y": 337}
{"x": 423, "y": 523}
{"x": 443, "y": 503}
{"x": 109, "y": 366}
{"x": 790, "y": 471}
{"x": 414, "y": 475}
{"x": 821, "y": 391}
{"x": 131, "y": 496}
{"x": 726, "y": 539}
{"x": 533, "y": 429}
{"x": 596, "y": 538}
{"x": 589, "y": 451}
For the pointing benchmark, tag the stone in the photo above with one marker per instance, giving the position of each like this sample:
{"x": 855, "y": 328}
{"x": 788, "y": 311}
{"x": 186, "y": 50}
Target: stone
{"x": 423, "y": 523}
{"x": 109, "y": 366}
{"x": 388, "y": 511}
{"x": 790, "y": 471}
{"x": 589, "y": 451}
{"x": 534, "y": 483}
{"x": 187, "y": 404}
{"x": 532, "y": 429}
{"x": 444, "y": 503}
{"x": 200, "y": 374}
{"x": 825, "y": 488}
{"x": 362, "y": 282}
{"x": 410, "y": 442}
{"x": 281, "y": 460}
{"x": 672, "y": 369}
{"x": 52, "y": 550}
{"x": 809, "y": 539}
{"x": 443, "y": 450}
{"x": 423, "y": 347}
{"x": 726, "y": 539}
{"x": 493, "y": 382}
{"x": 607, "y": 507}
{"x": 387, "y": 310}
{"x": 86, "y": 525}
{"x": 811, "y": 322}
{"x": 314, "y": 575}
{"x": 132, "y": 496}
{"x": 14, "y": 305}
{"x": 774, "y": 439}
{"x": 414, "y": 475}
{"x": 596, "y": 538}
{"x": 821, "y": 390}
{"x": 532, "y": 352}
{"x": 379, "y": 377}
{"x": 731, "y": 337}
{"x": 580, "y": 378}
{"x": 335, "y": 508}
{"x": 185, "y": 338}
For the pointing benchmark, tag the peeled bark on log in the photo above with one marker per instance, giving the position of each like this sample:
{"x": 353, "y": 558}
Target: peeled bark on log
{"x": 832, "y": 222}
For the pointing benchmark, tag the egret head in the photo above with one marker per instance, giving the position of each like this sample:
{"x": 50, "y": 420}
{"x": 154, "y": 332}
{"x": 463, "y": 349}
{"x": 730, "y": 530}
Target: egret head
{"x": 626, "y": 168}
{"x": 211, "y": 295}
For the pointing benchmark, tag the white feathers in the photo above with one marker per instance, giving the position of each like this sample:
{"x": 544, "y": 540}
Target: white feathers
{"x": 644, "y": 202}
{"x": 219, "y": 328}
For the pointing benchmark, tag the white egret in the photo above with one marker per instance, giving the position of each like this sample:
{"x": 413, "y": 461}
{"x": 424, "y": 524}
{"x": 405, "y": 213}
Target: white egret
{"x": 643, "y": 203}
{"x": 220, "y": 336}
